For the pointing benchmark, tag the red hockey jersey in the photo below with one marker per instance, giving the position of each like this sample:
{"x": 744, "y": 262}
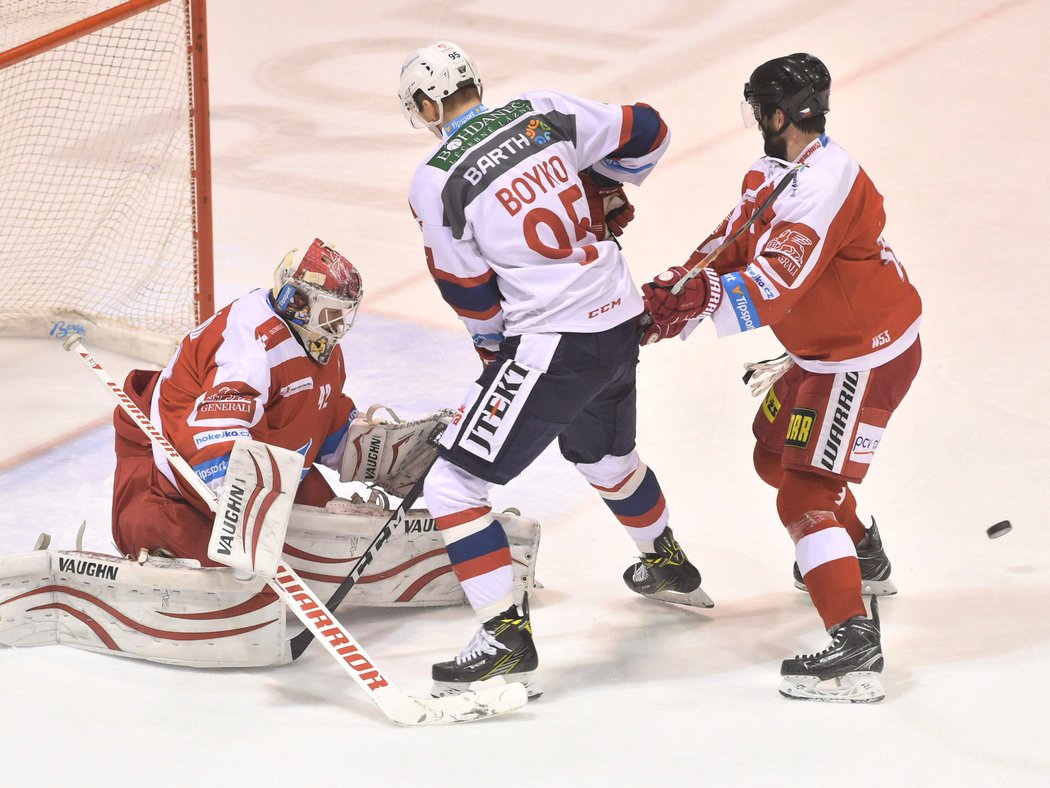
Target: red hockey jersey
{"x": 243, "y": 374}
{"x": 814, "y": 267}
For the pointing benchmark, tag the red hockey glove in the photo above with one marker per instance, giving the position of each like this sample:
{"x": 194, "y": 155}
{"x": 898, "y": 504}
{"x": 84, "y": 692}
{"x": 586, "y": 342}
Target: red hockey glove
{"x": 700, "y": 296}
{"x": 618, "y": 211}
{"x": 653, "y": 332}
{"x": 609, "y": 207}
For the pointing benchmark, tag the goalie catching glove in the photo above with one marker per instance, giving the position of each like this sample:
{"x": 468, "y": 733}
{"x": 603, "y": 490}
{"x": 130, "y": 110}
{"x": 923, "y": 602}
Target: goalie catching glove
{"x": 392, "y": 455}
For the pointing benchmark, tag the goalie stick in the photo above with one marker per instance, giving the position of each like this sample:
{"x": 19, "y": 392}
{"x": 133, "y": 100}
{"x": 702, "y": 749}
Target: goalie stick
{"x": 403, "y": 709}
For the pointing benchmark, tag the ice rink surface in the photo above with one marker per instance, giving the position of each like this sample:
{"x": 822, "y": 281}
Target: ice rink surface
{"x": 942, "y": 103}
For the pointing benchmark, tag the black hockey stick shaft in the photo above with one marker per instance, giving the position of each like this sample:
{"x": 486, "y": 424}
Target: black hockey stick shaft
{"x": 300, "y": 642}
{"x": 646, "y": 320}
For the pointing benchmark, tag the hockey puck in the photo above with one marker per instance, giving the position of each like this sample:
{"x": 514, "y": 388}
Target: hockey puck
{"x": 999, "y": 529}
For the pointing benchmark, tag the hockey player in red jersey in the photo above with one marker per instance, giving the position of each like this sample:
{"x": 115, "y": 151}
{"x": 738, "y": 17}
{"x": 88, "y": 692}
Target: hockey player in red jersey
{"x": 267, "y": 367}
{"x": 517, "y": 204}
{"x": 815, "y": 268}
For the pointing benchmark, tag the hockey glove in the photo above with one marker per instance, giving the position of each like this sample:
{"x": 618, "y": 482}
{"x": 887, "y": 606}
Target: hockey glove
{"x": 700, "y": 296}
{"x": 653, "y": 332}
{"x": 392, "y": 454}
{"x": 609, "y": 207}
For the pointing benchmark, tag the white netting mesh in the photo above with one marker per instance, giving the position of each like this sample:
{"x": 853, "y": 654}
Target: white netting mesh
{"x": 25, "y": 20}
{"x": 97, "y": 219}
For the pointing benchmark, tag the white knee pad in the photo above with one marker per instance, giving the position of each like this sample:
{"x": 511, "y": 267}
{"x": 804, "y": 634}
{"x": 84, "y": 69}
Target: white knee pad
{"x": 609, "y": 470}
{"x": 449, "y": 489}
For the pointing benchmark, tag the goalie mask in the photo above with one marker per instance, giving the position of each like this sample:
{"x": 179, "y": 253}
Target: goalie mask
{"x": 439, "y": 70}
{"x": 317, "y": 297}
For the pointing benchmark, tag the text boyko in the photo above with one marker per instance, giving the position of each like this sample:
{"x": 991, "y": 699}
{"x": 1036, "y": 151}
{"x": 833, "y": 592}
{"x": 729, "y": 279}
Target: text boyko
{"x": 524, "y": 190}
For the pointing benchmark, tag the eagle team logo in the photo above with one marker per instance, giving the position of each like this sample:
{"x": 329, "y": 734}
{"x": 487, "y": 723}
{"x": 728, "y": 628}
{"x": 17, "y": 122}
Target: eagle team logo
{"x": 789, "y": 250}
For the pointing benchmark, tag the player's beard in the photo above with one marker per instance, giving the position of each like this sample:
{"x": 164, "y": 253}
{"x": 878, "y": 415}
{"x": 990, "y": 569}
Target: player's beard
{"x": 774, "y": 143}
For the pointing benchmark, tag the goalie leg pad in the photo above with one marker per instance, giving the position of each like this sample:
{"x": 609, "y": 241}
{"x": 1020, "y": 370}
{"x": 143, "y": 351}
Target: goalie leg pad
{"x": 27, "y": 573}
{"x": 412, "y": 567}
{"x": 163, "y": 610}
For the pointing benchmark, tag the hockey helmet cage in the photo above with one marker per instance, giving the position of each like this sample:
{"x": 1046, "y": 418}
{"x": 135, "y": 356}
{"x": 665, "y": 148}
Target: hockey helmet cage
{"x": 799, "y": 85}
{"x": 317, "y": 297}
{"x": 439, "y": 70}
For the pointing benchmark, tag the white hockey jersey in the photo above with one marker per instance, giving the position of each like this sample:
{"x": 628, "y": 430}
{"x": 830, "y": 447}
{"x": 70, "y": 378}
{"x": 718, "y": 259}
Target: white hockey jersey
{"x": 505, "y": 219}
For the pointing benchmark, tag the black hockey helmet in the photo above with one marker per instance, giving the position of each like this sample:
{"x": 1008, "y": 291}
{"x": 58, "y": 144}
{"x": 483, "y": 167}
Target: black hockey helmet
{"x": 798, "y": 84}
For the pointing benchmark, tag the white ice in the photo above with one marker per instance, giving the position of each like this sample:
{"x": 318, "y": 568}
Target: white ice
{"x": 944, "y": 104}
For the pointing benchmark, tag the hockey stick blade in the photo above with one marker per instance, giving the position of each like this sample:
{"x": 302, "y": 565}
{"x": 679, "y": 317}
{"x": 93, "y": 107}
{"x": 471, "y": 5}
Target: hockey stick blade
{"x": 477, "y": 703}
{"x": 472, "y": 704}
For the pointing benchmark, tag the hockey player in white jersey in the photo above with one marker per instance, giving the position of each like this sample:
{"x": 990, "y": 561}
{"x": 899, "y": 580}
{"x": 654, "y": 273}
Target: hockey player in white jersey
{"x": 517, "y": 204}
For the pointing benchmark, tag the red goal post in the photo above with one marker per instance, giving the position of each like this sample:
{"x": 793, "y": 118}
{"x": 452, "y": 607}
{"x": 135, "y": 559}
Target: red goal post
{"x": 105, "y": 180}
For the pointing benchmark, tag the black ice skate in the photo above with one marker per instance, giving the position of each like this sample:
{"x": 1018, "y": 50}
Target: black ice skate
{"x": 502, "y": 647}
{"x": 874, "y": 566}
{"x": 846, "y": 671}
{"x": 667, "y": 575}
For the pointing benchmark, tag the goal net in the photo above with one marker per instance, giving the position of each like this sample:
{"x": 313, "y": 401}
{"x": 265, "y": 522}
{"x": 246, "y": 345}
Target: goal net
{"x": 105, "y": 223}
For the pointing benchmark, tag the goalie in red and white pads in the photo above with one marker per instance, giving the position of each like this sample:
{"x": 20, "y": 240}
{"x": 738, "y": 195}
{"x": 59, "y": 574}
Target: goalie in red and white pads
{"x": 268, "y": 368}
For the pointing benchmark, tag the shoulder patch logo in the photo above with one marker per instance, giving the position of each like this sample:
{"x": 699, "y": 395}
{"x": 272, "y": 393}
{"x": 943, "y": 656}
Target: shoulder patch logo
{"x": 788, "y": 250}
{"x": 234, "y": 399}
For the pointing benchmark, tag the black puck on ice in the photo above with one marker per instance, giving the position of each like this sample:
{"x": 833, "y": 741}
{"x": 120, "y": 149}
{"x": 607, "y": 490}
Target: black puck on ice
{"x": 999, "y": 529}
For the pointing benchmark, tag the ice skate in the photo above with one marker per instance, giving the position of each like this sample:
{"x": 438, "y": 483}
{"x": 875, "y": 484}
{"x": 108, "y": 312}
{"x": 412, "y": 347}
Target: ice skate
{"x": 846, "y": 671}
{"x": 502, "y": 647}
{"x": 874, "y": 566}
{"x": 666, "y": 575}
